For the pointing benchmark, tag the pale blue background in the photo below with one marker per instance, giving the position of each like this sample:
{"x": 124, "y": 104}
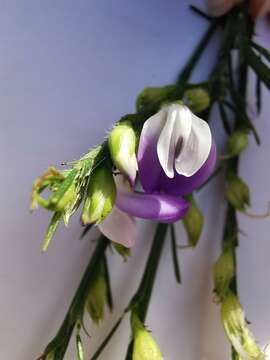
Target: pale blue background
{"x": 68, "y": 71}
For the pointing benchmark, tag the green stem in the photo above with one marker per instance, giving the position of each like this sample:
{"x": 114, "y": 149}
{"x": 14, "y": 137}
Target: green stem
{"x": 142, "y": 296}
{"x": 59, "y": 344}
{"x": 141, "y": 299}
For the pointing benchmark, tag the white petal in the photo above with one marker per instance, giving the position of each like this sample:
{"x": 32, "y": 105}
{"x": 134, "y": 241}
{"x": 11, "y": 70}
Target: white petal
{"x": 153, "y": 126}
{"x": 195, "y": 149}
{"x": 175, "y": 131}
{"x": 119, "y": 227}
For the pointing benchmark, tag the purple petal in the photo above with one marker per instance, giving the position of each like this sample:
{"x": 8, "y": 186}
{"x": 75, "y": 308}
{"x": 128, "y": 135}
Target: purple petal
{"x": 148, "y": 162}
{"x": 159, "y": 207}
{"x": 182, "y": 185}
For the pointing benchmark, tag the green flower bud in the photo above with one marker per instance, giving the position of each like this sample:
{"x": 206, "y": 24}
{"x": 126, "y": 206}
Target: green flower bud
{"x": 197, "y": 99}
{"x": 122, "y": 144}
{"x": 144, "y": 347}
{"x": 100, "y": 195}
{"x": 156, "y": 96}
{"x": 237, "y": 193}
{"x": 236, "y": 328}
{"x": 224, "y": 271}
{"x": 193, "y": 222}
{"x": 237, "y": 143}
{"x": 96, "y": 300}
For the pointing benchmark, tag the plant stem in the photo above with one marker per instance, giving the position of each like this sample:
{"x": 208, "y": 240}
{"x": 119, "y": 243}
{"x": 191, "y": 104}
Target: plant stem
{"x": 141, "y": 299}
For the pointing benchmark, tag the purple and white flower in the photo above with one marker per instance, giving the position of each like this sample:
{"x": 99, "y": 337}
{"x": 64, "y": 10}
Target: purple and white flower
{"x": 176, "y": 155}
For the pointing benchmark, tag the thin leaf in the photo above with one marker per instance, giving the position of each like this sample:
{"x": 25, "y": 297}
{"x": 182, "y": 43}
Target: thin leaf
{"x": 258, "y": 94}
{"x": 239, "y": 109}
{"x": 257, "y": 65}
{"x": 63, "y": 188}
{"x": 107, "y": 339}
{"x": 201, "y": 13}
{"x": 51, "y": 230}
{"x": 86, "y": 229}
{"x": 196, "y": 55}
{"x": 175, "y": 255}
{"x": 264, "y": 52}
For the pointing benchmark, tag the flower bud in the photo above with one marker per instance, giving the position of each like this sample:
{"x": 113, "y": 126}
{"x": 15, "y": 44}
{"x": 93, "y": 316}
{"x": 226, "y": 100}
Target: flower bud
{"x": 236, "y": 328}
{"x": 237, "y": 143}
{"x": 96, "y": 299}
{"x": 122, "y": 144}
{"x": 144, "y": 347}
{"x": 156, "y": 96}
{"x": 223, "y": 273}
{"x": 197, "y": 99}
{"x": 100, "y": 195}
{"x": 193, "y": 222}
{"x": 237, "y": 193}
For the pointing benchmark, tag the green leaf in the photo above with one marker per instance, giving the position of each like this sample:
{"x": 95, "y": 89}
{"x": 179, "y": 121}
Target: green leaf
{"x": 258, "y": 94}
{"x": 264, "y": 52}
{"x": 185, "y": 74}
{"x": 52, "y": 179}
{"x": 193, "y": 223}
{"x": 51, "y": 230}
{"x": 64, "y": 194}
{"x": 257, "y": 65}
{"x": 175, "y": 255}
